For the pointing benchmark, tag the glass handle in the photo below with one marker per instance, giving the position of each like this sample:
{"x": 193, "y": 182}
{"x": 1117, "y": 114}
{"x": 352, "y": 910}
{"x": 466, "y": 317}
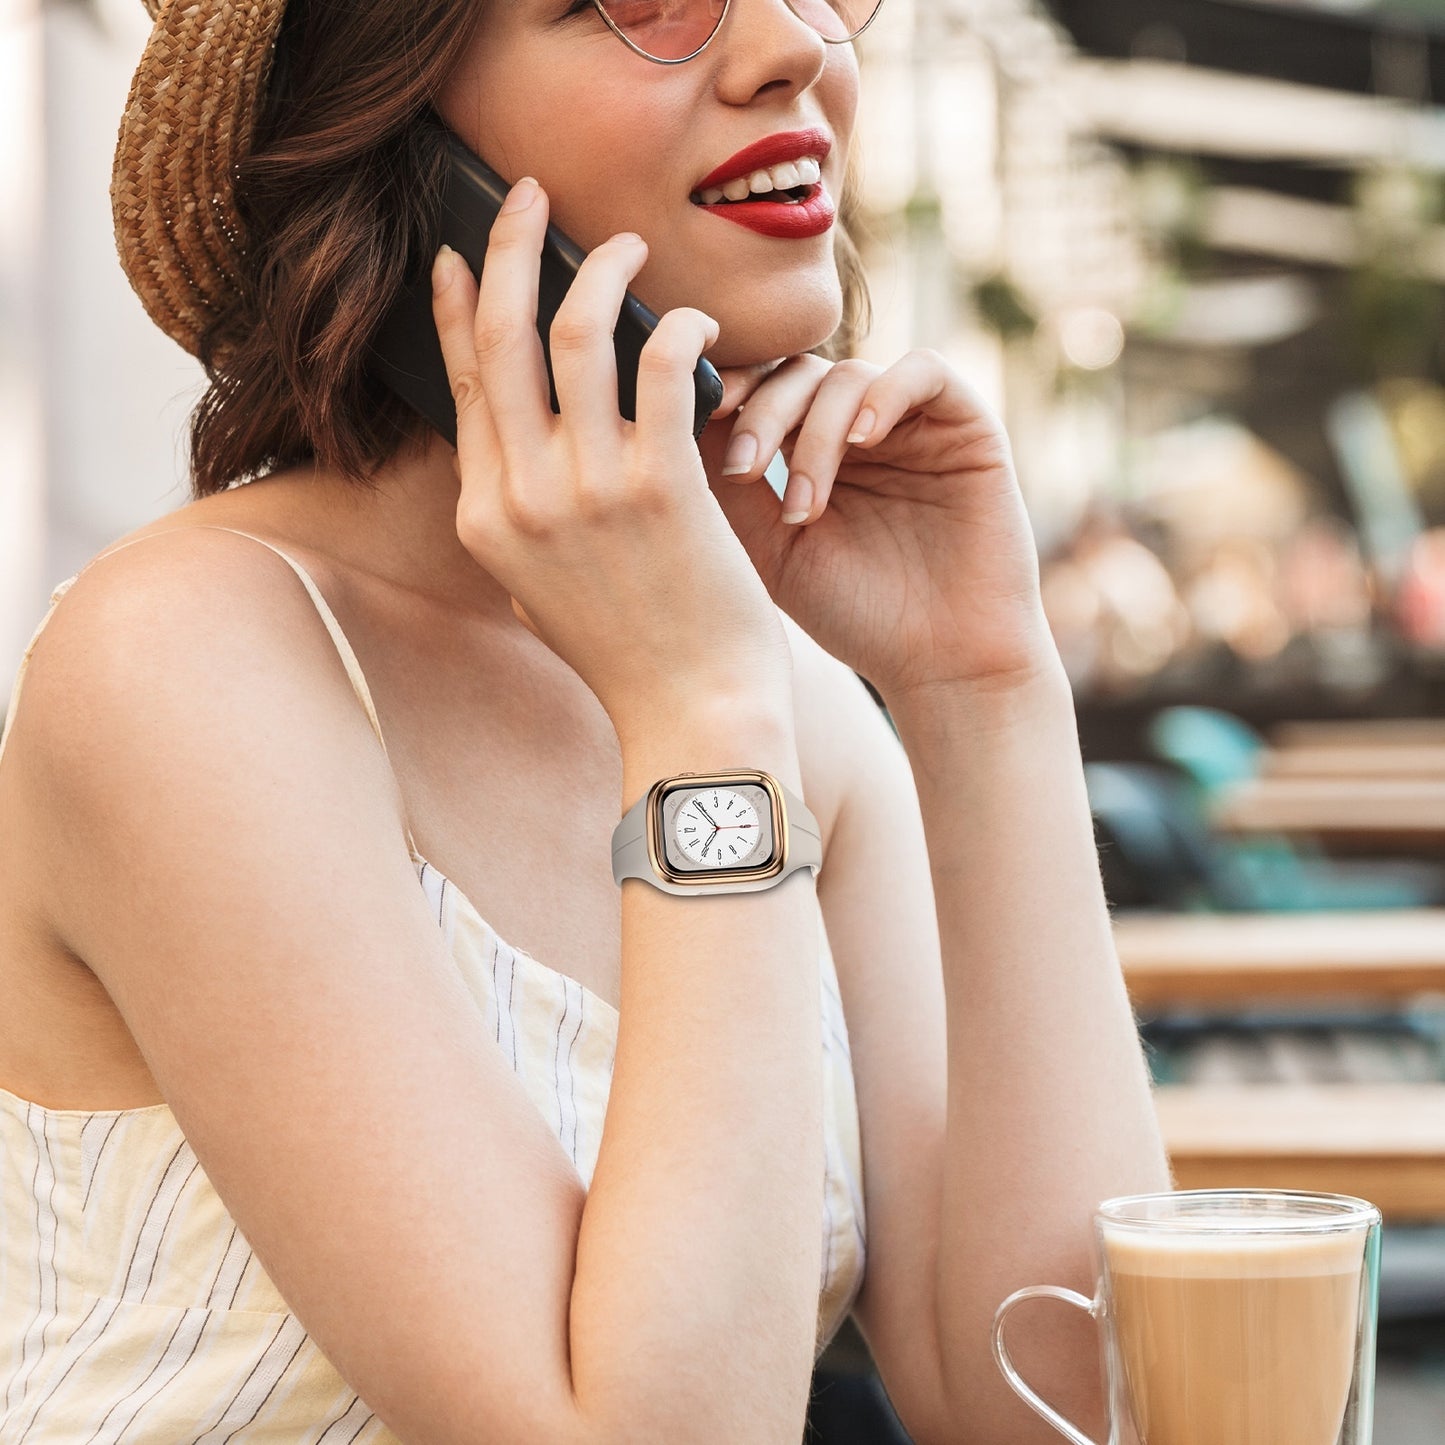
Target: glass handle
{"x": 1020, "y": 1386}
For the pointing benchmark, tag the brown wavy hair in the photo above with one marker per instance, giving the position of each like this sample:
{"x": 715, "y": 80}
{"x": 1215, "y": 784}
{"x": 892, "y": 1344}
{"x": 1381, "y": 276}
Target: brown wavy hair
{"x": 337, "y": 198}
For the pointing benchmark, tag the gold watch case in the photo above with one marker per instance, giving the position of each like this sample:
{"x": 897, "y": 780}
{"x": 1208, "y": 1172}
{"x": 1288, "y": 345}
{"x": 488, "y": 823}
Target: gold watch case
{"x": 655, "y": 832}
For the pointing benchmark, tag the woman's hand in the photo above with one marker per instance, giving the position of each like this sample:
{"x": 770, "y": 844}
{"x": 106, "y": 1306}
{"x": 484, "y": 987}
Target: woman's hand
{"x": 603, "y": 530}
{"x": 916, "y": 563}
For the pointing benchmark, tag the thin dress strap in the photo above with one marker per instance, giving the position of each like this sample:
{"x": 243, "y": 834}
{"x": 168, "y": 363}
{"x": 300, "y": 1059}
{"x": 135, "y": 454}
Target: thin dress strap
{"x": 343, "y": 646}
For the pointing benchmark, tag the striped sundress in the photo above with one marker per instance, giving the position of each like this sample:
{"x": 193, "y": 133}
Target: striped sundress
{"x": 131, "y": 1307}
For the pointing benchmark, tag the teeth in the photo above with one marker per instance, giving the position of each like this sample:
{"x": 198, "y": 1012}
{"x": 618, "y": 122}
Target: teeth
{"x": 804, "y": 172}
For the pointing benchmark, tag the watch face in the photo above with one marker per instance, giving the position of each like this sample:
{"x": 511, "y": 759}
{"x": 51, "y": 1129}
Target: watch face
{"x": 718, "y": 826}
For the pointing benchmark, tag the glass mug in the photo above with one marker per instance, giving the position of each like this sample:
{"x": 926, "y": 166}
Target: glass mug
{"x": 1229, "y": 1317}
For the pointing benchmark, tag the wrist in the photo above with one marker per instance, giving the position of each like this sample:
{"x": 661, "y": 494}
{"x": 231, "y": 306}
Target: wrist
{"x": 937, "y": 712}
{"x": 715, "y": 737}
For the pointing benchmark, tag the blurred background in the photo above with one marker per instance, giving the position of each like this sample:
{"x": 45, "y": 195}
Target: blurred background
{"x": 1193, "y": 253}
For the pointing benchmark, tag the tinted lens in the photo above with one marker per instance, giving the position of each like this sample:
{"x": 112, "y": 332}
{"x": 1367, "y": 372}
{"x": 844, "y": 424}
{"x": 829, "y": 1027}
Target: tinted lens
{"x": 668, "y": 29}
{"x": 675, "y": 29}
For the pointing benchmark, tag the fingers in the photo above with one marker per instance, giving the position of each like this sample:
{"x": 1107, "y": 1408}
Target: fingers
{"x": 925, "y": 378}
{"x": 454, "y": 304}
{"x": 773, "y": 410}
{"x": 507, "y": 347}
{"x": 740, "y": 382}
{"x": 821, "y": 401}
{"x": 497, "y": 368}
{"x": 822, "y": 440}
{"x": 584, "y": 356}
{"x": 665, "y": 396}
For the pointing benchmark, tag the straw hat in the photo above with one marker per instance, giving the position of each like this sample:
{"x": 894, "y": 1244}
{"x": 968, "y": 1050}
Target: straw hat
{"x": 189, "y": 115}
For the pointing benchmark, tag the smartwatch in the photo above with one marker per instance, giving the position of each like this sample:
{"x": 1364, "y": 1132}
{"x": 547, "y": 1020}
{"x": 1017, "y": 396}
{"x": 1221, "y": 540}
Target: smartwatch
{"x": 731, "y": 832}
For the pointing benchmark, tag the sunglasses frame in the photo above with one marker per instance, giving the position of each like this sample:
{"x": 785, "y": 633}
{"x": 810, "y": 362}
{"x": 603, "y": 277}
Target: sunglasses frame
{"x": 727, "y": 4}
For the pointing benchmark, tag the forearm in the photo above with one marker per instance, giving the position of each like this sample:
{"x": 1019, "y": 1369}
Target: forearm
{"x": 1049, "y": 1104}
{"x": 696, "y": 1287}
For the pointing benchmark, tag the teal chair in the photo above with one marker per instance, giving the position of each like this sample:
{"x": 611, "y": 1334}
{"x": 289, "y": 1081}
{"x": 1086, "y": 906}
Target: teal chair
{"x": 1217, "y": 751}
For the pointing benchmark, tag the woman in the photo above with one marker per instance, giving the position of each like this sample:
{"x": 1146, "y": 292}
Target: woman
{"x": 295, "y": 1149}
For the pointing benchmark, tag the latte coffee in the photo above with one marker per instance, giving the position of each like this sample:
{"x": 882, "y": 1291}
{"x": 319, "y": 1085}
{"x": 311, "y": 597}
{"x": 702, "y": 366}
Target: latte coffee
{"x": 1235, "y": 1339}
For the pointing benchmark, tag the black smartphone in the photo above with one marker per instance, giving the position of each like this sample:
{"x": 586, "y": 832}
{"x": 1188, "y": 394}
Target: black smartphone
{"x": 406, "y": 353}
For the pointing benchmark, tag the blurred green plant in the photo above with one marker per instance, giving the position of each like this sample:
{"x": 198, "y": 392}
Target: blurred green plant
{"x": 1002, "y": 307}
{"x": 1171, "y": 197}
{"x": 1395, "y": 309}
{"x": 924, "y": 207}
{"x": 1171, "y": 202}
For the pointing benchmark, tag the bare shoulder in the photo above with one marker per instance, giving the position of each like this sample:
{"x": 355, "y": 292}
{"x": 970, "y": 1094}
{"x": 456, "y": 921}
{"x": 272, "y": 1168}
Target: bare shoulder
{"x": 230, "y": 864}
{"x": 145, "y": 628}
{"x": 187, "y": 573}
{"x": 158, "y": 664}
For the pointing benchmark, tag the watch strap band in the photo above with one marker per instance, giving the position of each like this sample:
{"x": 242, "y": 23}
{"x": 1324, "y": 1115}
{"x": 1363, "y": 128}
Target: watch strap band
{"x": 630, "y": 857}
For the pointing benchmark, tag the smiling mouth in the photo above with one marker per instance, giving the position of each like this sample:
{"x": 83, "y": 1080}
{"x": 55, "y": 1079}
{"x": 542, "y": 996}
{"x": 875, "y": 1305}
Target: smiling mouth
{"x": 791, "y": 197}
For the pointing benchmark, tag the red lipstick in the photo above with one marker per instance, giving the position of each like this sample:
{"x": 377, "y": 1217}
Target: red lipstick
{"x": 791, "y": 220}
{"x": 772, "y": 150}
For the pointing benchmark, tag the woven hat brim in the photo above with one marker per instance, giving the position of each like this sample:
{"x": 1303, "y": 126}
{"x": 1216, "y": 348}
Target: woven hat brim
{"x": 189, "y": 115}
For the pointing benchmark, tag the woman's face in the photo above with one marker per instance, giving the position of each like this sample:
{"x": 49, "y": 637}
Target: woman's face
{"x": 619, "y": 143}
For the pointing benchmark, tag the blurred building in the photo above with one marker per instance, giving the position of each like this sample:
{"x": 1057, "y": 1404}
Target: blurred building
{"x": 1269, "y": 422}
{"x": 1191, "y": 251}
{"x": 93, "y": 398}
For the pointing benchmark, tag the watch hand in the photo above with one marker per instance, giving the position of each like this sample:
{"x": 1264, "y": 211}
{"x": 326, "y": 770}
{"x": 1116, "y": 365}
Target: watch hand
{"x": 703, "y": 811}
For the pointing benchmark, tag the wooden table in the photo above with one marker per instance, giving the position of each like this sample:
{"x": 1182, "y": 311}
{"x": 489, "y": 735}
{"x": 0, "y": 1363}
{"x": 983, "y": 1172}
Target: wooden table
{"x": 1363, "y": 732}
{"x": 1382, "y": 1142}
{"x": 1237, "y": 958}
{"x": 1355, "y": 760}
{"x": 1380, "y": 814}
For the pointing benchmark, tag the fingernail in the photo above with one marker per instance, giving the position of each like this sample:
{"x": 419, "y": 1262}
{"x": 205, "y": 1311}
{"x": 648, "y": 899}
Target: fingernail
{"x": 863, "y": 426}
{"x": 443, "y": 272}
{"x": 741, "y": 453}
{"x": 798, "y": 493}
{"x": 521, "y": 195}
{"x": 628, "y": 238}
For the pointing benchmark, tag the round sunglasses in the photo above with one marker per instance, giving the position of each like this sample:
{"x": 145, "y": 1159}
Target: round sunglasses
{"x": 671, "y": 31}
